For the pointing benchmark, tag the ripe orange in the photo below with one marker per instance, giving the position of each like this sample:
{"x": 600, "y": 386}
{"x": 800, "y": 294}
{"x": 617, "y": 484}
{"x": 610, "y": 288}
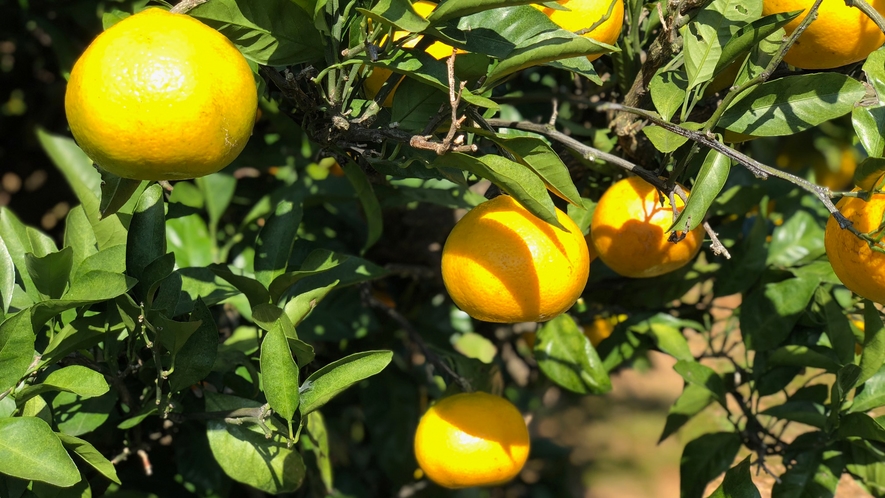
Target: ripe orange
{"x": 502, "y": 264}
{"x": 601, "y": 328}
{"x": 840, "y": 35}
{"x": 584, "y": 13}
{"x": 161, "y": 96}
{"x": 438, "y": 50}
{"x": 472, "y": 439}
{"x": 629, "y": 231}
{"x": 858, "y": 266}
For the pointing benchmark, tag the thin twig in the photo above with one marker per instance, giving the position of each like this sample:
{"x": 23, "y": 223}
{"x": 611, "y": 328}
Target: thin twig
{"x": 869, "y": 11}
{"x": 717, "y": 247}
{"x": 185, "y": 6}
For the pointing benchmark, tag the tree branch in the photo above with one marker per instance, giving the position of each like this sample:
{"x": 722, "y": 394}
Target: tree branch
{"x": 184, "y": 6}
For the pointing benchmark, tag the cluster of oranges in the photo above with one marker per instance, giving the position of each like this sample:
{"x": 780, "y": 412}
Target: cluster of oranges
{"x": 161, "y": 96}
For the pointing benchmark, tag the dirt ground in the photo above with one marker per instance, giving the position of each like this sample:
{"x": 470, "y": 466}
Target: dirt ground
{"x": 634, "y": 465}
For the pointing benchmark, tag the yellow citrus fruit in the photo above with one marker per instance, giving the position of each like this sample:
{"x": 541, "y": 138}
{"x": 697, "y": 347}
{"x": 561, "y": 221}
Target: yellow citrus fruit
{"x": 840, "y": 35}
{"x": 502, "y": 264}
{"x": 472, "y": 439}
{"x": 161, "y": 96}
{"x": 584, "y": 13}
{"x": 857, "y": 265}
{"x": 601, "y": 328}
{"x": 629, "y": 231}
{"x": 438, "y": 50}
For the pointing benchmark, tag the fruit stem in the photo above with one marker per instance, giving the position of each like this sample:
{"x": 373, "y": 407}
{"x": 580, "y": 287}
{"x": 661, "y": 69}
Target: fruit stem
{"x": 868, "y": 9}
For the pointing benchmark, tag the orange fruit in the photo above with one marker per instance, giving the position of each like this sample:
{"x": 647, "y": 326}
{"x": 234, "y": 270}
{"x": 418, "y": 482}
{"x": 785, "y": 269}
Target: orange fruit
{"x": 502, "y": 264}
{"x": 472, "y": 439}
{"x": 438, "y": 50}
{"x": 161, "y": 96}
{"x": 629, "y": 231}
{"x": 836, "y": 176}
{"x": 584, "y": 13}
{"x": 601, "y": 328}
{"x": 858, "y": 266}
{"x": 840, "y": 35}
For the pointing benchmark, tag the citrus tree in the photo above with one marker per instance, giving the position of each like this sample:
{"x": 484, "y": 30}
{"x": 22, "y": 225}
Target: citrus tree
{"x": 263, "y": 289}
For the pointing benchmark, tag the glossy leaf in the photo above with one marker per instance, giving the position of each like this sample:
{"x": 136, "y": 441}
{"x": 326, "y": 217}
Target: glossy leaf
{"x": 872, "y": 395}
{"x": 873, "y": 344}
{"x": 663, "y": 140}
{"x": 366, "y": 196}
{"x": 274, "y": 243}
{"x": 18, "y": 243}
{"x": 77, "y": 168}
{"x": 30, "y": 450}
{"x": 218, "y": 190}
{"x": 147, "y": 235}
{"x": 459, "y": 8}
{"x": 246, "y": 455}
{"x": 279, "y": 373}
{"x": 804, "y": 412}
{"x": 79, "y": 237}
{"x": 77, "y": 379}
{"x": 298, "y": 308}
{"x": 702, "y": 376}
{"x": 317, "y": 261}
{"x": 16, "y": 348}
{"x": 805, "y": 356}
{"x": 397, "y": 13}
{"x": 668, "y": 89}
{"x": 704, "y": 458}
{"x": 270, "y": 32}
{"x": 800, "y": 238}
{"x": 567, "y": 357}
{"x": 692, "y": 401}
{"x": 254, "y": 291}
{"x": 749, "y": 35}
{"x": 327, "y": 382}
{"x": 50, "y": 273}
{"x": 792, "y": 104}
{"x": 90, "y": 455}
{"x": 540, "y": 157}
{"x": 515, "y": 179}
{"x": 80, "y": 333}
{"x": 319, "y": 444}
{"x": 861, "y": 425}
{"x": 116, "y": 192}
{"x": 770, "y": 311}
{"x": 738, "y": 483}
{"x": 7, "y": 279}
{"x": 709, "y": 182}
{"x": 196, "y": 357}
{"x": 809, "y": 476}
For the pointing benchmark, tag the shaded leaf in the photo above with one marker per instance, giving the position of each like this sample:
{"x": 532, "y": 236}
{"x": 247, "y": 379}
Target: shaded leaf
{"x": 327, "y": 382}
{"x": 567, "y": 357}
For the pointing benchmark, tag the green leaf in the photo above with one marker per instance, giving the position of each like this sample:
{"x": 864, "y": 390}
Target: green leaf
{"x": 546, "y": 47}
{"x": 567, "y": 357}
{"x": 274, "y": 243}
{"x": 664, "y": 140}
{"x": 792, "y": 104}
{"x": 805, "y": 356}
{"x": 319, "y": 444}
{"x": 318, "y": 261}
{"x": 91, "y": 288}
{"x": 397, "y": 13}
{"x": 371, "y": 207}
{"x": 188, "y": 238}
{"x": 254, "y": 291}
{"x": 749, "y": 35}
{"x": 279, "y": 373}
{"x": 459, "y": 8}
{"x": 171, "y": 334}
{"x": 16, "y": 237}
{"x": 116, "y": 192}
{"x": 50, "y": 273}
{"x": 869, "y": 125}
{"x": 668, "y": 88}
{"x": 872, "y": 395}
{"x": 298, "y": 308}
{"x": 770, "y": 311}
{"x": 473, "y": 345}
{"x": 110, "y": 259}
{"x": 702, "y": 51}
{"x": 75, "y": 416}
{"x": 77, "y": 379}
{"x": 799, "y": 239}
{"x": 329, "y": 381}
{"x": 16, "y": 348}
{"x": 269, "y": 32}
{"x": 79, "y": 237}
{"x": 873, "y": 344}
{"x": 842, "y": 340}
{"x": 218, "y": 190}
{"x": 804, "y": 412}
{"x": 860, "y": 425}
{"x": 80, "y": 333}
{"x": 246, "y": 455}
{"x": 711, "y": 178}
{"x": 866, "y": 461}
{"x": 535, "y": 154}
{"x": 666, "y": 332}
{"x": 738, "y": 483}
{"x": 692, "y": 401}
{"x": 30, "y": 450}
{"x": 515, "y": 179}
{"x": 195, "y": 359}
{"x": 77, "y": 168}
{"x": 810, "y": 476}
{"x": 704, "y": 458}
{"x": 7, "y": 279}
{"x": 90, "y": 455}
{"x": 702, "y": 376}
{"x": 147, "y": 236}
